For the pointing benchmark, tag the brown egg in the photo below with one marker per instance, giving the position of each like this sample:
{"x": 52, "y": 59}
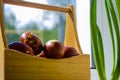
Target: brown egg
{"x": 53, "y": 49}
{"x": 33, "y": 41}
{"x": 69, "y": 52}
{"x": 19, "y": 46}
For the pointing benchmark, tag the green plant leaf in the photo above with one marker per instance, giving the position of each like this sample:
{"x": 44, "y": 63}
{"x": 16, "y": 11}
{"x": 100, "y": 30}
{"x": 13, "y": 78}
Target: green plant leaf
{"x": 114, "y": 17}
{"x": 96, "y": 43}
{"x": 118, "y": 8}
{"x": 111, "y": 34}
{"x": 100, "y": 48}
{"x": 101, "y": 52}
{"x": 116, "y": 73}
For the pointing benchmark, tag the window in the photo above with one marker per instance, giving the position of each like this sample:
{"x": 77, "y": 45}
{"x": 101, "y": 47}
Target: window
{"x": 46, "y": 24}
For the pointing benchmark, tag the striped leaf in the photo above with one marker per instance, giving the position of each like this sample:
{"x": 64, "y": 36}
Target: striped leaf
{"x": 97, "y": 42}
{"x": 111, "y": 34}
{"x": 118, "y": 8}
{"x": 116, "y": 28}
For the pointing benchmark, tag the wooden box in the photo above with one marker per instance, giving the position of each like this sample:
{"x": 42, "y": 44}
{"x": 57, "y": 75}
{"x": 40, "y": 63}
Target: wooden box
{"x": 15, "y": 65}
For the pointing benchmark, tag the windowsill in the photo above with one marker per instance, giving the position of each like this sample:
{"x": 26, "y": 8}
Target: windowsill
{"x": 94, "y": 75}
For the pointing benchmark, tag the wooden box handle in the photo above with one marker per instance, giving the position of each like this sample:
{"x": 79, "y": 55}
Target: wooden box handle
{"x": 71, "y": 36}
{"x": 2, "y": 27}
{"x": 36, "y": 5}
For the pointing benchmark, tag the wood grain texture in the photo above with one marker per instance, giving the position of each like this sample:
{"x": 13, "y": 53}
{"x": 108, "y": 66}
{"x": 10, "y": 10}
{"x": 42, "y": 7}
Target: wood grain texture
{"x": 20, "y": 66}
{"x": 1, "y": 56}
{"x": 2, "y": 24}
{"x": 71, "y": 35}
{"x": 2, "y": 45}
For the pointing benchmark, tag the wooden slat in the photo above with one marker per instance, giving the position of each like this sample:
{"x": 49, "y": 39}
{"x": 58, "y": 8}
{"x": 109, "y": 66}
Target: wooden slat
{"x": 36, "y": 5}
{"x": 2, "y": 45}
{"x": 20, "y": 66}
{"x": 2, "y": 24}
{"x": 1, "y": 56}
{"x": 14, "y": 31}
{"x": 71, "y": 35}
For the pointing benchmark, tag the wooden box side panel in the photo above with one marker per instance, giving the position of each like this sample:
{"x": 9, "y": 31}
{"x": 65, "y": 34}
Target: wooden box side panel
{"x": 1, "y": 56}
{"x": 19, "y": 66}
{"x": 1, "y": 45}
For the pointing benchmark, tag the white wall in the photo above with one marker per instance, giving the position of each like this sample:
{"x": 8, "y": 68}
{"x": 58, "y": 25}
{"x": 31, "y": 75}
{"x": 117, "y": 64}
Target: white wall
{"x": 83, "y": 24}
